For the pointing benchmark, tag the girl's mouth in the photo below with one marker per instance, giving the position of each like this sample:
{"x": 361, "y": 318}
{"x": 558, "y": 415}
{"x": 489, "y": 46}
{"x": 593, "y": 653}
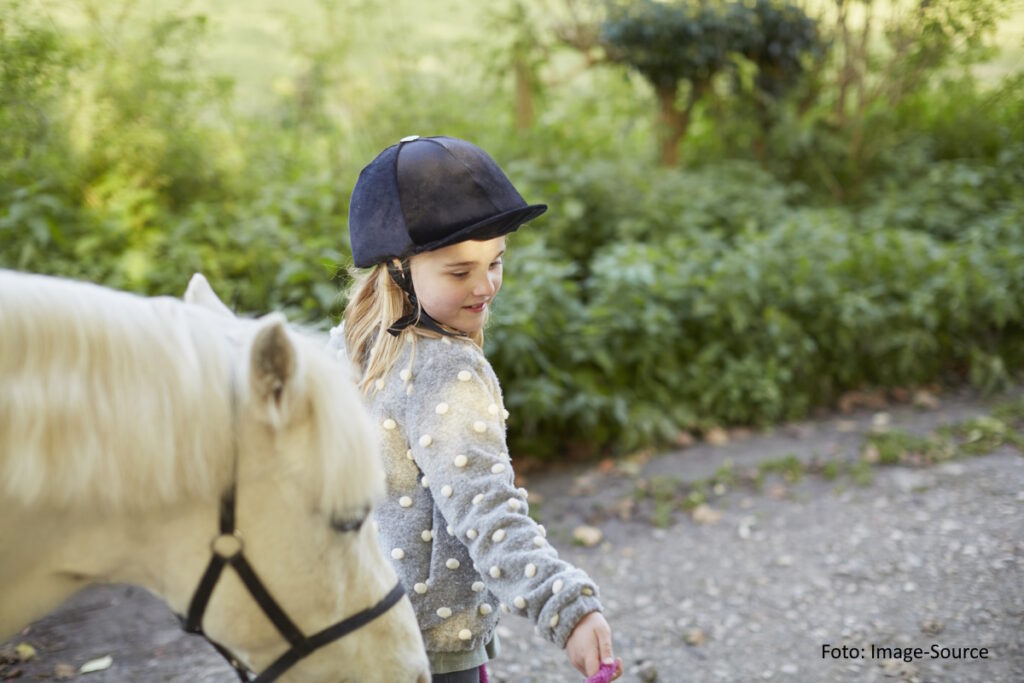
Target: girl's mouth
{"x": 478, "y": 308}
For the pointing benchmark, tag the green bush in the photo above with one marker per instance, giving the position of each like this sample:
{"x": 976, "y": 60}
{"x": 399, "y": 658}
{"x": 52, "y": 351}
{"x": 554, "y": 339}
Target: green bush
{"x": 646, "y": 301}
{"x": 599, "y": 202}
{"x": 944, "y": 198}
{"x": 699, "y": 330}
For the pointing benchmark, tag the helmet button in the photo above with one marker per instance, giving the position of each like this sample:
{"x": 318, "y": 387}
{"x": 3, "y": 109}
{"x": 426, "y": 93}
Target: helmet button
{"x": 409, "y": 138}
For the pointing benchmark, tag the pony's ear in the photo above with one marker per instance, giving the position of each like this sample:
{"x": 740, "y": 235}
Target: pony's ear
{"x": 272, "y": 368}
{"x": 200, "y": 293}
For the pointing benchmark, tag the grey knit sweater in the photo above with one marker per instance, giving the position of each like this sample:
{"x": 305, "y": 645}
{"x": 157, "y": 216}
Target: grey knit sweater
{"x": 454, "y": 523}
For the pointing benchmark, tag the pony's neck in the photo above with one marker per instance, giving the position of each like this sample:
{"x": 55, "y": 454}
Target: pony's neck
{"x": 61, "y": 553}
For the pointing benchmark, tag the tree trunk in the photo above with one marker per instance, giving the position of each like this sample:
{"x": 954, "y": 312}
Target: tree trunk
{"x": 524, "y": 95}
{"x": 672, "y": 122}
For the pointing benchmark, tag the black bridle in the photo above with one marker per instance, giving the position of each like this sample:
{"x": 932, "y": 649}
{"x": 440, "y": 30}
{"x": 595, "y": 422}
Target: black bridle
{"x": 228, "y": 549}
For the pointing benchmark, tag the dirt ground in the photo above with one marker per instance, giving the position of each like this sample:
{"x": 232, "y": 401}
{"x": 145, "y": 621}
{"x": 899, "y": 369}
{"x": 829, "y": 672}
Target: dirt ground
{"x": 764, "y": 584}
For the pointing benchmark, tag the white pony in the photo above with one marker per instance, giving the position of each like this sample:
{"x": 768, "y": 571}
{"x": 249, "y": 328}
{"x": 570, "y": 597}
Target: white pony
{"x": 123, "y": 420}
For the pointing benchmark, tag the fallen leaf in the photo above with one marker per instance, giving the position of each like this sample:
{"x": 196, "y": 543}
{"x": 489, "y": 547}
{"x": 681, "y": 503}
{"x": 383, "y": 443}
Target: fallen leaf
{"x": 624, "y": 508}
{"x": 94, "y": 665}
{"x": 695, "y": 636}
{"x": 630, "y": 468}
{"x": 705, "y": 514}
{"x": 606, "y": 466}
{"x": 716, "y": 436}
{"x": 851, "y": 400}
{"x": 583, "y": 485}
{"x": 587, "y": 536}
{"x": 63, "y": 671}
{"x": 25, "y": 651}
{"x": 846, "y": 426}
{"x": 741, "y": 433}
{"x": 926, "y": 400}
{"x": 684, "y": 439}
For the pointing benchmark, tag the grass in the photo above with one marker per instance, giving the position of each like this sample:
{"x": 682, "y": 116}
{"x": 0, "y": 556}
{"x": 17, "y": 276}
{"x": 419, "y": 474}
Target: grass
{"x": 790, "y": 467}
{"x": 977, "y": 436}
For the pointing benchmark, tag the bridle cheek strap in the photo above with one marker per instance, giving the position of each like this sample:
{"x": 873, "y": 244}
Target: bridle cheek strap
{"x": 301, "y": 645}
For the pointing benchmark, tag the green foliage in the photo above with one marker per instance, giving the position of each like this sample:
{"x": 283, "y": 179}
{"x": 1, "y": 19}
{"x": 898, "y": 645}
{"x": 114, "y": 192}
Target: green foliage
{"x": 33, "y": 70}
{"x": 669, "y": 42}
{"x": 672, "y": 42}
{"x": 862, "y": 474}
{"x": 902, "y": 448}
{"x": 603, "y": 201}
{"x": 894, "y": 92}
{"x": 780, "y": 39}
{"x": 790, "y": 468}
{"x": 144, "y": 127}
{"x": 692, "y": 328}
{"x": 645, "y": 302}
{"x": 943, "y": 198}
{"x": 683, "y": 43}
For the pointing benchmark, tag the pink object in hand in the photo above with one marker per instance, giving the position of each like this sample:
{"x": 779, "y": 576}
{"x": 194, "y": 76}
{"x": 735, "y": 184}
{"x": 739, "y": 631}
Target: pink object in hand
{"x": 604, "y": 675}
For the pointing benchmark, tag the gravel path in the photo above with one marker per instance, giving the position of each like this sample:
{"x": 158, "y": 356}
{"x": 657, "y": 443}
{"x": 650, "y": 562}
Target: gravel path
{"x": 919, "y": 557}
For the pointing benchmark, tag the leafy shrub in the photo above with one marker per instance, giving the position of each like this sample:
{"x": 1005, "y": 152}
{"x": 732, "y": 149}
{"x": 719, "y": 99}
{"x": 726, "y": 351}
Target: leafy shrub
{"x": 943, "y": 198}
{"x": 646, "y": 301}
{"x": 599, "y": 202}
{"x": 697, "y": 330}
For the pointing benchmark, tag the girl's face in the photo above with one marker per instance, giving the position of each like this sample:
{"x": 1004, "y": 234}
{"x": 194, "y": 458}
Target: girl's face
{"x": 457, "y": 283}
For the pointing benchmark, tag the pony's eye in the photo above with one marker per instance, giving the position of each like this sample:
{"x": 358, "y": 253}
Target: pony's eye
{"x": 347, "y": 525}
{"x": 351, "y": 523}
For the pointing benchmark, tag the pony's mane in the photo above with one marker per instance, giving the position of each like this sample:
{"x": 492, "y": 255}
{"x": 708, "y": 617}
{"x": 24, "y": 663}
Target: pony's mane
{"x": 109, "y": 400}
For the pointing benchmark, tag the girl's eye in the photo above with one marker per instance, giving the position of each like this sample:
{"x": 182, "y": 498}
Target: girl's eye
{"x": 459, "y": 275}
{"x": 496, "y": 264}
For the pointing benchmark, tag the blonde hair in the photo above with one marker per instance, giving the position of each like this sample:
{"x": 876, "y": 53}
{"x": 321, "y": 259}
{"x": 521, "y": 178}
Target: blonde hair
{"x": 375, "y": 301}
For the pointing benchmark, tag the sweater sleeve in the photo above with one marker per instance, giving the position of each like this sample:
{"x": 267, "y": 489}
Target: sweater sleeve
{"x": 456, "y": 429}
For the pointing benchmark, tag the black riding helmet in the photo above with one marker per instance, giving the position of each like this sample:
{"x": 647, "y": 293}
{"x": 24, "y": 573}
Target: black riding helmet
{"x": 424, "y": 194}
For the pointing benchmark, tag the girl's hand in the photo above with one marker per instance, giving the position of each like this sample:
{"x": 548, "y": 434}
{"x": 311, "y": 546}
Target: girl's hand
{"x": 590, "y": 645}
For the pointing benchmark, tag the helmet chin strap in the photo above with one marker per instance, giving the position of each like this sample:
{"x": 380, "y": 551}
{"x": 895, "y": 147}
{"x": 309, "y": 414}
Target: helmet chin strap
{"x": 402, "y": 275}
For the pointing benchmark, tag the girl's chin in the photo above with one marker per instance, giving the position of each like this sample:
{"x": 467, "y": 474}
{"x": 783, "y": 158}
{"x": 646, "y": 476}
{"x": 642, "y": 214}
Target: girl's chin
{"x": 467, "y": 322}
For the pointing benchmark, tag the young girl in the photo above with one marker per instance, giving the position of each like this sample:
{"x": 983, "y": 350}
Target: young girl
{"x": 429, "y": 216}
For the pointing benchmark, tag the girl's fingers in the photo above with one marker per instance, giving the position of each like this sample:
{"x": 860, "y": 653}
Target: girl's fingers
{"x": 594, "y": 658}
{"x": 592, "y": 666}
{"x": 604, "y": 645}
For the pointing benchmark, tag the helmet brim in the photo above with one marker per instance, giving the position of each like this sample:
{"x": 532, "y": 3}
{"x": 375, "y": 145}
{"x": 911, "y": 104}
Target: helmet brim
{"x": 487, "y": 229}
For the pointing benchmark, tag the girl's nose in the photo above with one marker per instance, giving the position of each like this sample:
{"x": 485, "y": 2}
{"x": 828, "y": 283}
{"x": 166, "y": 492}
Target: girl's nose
{"x": 485, "y": 286}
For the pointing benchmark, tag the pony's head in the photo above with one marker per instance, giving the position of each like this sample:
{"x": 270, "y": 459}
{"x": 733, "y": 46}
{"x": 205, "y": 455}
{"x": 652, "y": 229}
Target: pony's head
{"x": 124, "y": 420}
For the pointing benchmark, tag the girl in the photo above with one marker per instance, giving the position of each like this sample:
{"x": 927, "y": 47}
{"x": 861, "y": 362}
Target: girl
{"x": 429, "y": 216}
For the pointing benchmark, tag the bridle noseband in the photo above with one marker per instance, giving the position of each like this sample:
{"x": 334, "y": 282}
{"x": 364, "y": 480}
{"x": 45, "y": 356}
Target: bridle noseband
{"x": 228, "y": 548}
